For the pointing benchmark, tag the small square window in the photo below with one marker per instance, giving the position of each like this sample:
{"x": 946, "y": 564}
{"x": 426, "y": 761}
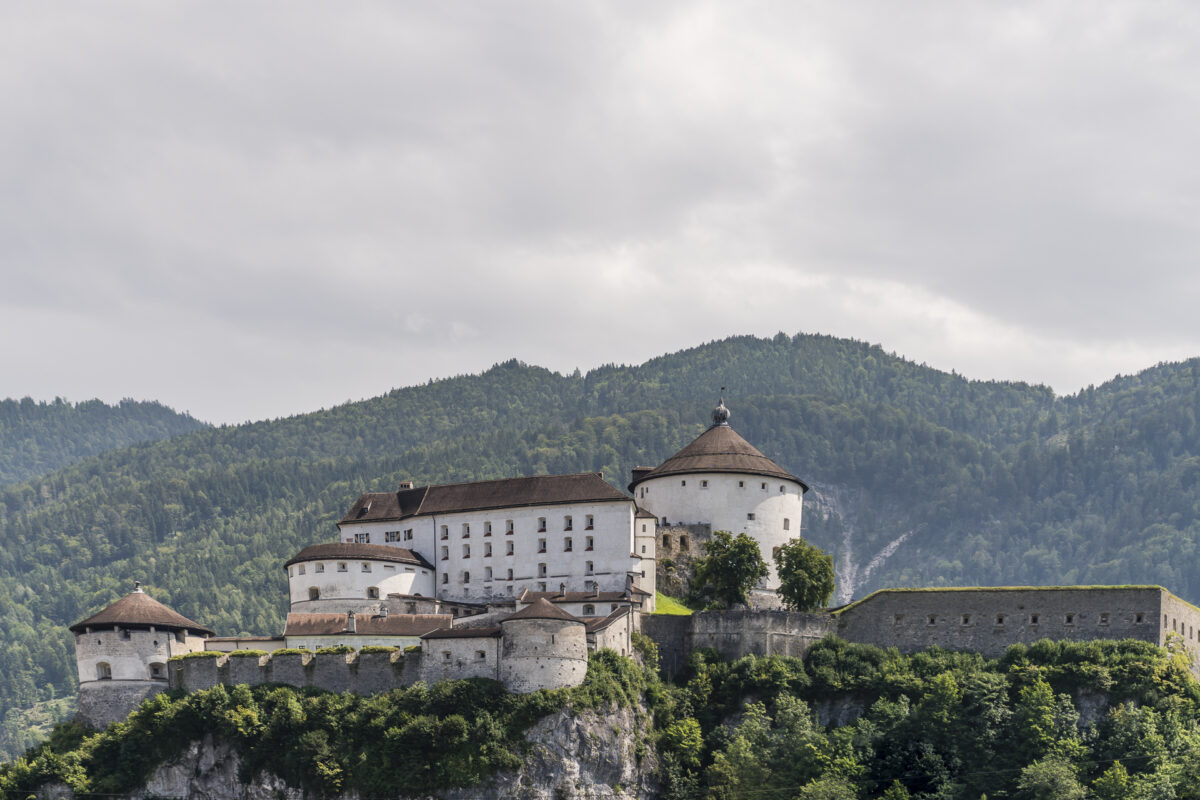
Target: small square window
{"x": 341, "y": 566}
{"x": 931, "y": 619}
{"x": 320, "y": 568}
{"x": 703, "y": 484}
{"x": 999, "y": 619}
{"x": 897, "y": 619}
{"x": 1033, "y": 619}
{"x": 1139, "y": 618}
{"x": 1103, "y": 617}
{"x": 683, "y": 483}
{"x": 366, "y": 567}
{"x": 966, "y": 619}
{"x": 741, "y": 484}
{"x": 1070, "y": 619}
{"x": 750, "y": 515}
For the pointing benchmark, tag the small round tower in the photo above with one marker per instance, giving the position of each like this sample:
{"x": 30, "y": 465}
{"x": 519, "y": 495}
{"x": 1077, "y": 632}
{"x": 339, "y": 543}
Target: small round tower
{"x": 542, "y": 647}
{"x": 121, "y": 653}
{"x": 723, "y": 481}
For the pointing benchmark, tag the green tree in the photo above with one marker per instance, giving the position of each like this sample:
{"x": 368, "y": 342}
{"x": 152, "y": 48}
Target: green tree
{"x": 1050, "y": 779}
{"x": 729, "y": 569}
{"x": 805, "y": 575}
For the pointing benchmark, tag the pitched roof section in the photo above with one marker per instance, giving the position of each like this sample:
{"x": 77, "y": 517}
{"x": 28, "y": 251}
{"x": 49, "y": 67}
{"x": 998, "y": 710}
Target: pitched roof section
{"x": 139, "y": 608}
{"x": 719, "y": 449}
{"x": 489, "y": 632}
{"x": 364, "y": 624}
{"x": 542, "y": 609}
{"x": 534, "y": 490}
{"x": 368, "y": 552}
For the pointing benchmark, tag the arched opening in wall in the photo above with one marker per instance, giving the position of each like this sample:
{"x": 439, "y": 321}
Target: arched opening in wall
{"x": 683, "y": 542}
{"x": 158, "y": 671}
{"x": 372, "y": 592}
{"x": 314, "y": 593}
{"x": 103, "y": 671}
{"x": 666, "y": 540}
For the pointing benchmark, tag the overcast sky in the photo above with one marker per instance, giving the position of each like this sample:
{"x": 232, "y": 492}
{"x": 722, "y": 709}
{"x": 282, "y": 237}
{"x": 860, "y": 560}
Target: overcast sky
{"x": 249, "y": 210}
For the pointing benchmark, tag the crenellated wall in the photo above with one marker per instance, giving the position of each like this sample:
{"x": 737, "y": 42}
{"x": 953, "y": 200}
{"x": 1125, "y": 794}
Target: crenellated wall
{"x": 362, "y": 673}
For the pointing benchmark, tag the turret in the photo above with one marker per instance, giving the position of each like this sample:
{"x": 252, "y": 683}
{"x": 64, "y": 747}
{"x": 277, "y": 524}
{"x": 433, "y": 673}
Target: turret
{"x": 122, "y": 651}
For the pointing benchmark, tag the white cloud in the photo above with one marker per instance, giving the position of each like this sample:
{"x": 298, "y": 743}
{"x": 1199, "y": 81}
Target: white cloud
{"x": 205, "y": 196}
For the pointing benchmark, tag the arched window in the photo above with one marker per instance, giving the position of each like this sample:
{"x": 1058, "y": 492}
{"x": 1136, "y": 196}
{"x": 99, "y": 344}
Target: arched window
{"x": 103, "y": 671}
{"x": 314, "y": 593}
{"x": 683, "y": 542}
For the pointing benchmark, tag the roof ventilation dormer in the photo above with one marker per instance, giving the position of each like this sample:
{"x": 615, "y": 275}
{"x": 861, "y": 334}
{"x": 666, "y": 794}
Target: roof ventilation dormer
{"x": 406, "y": 485}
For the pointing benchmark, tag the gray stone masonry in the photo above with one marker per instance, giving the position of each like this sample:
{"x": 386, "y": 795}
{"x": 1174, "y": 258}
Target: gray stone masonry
{"x": 736, "y": 633}
{"x": 363, "y": 673}
{"x": 987, "y": 620}
{"x": 102, "y": 703}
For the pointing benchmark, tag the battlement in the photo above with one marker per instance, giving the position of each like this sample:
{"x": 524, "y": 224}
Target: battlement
{"x": 362, "y": 673}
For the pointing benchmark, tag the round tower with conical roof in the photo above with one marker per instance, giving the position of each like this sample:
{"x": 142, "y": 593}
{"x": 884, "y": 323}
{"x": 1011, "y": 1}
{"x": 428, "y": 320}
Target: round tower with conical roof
{"x": 122, "y": 652}
{"x": 542, "y": 647}
{"x": 723, "y": 481}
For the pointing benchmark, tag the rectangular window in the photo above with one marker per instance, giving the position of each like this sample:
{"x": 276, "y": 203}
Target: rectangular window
{"x": 541, "y": 545}
{"x": 301, "y": 569}
{"x": 541, "y": 524}
{"x": 342, "y": 566}
{"x": 445, "y": 577}
{"x": 508, "y": 550}
{"x": 509, "y": 578}
{"x": 366, "y": 567}
{"x": 487, "y": 573}
{"x": 588, "y": 522}
{"x": 781, "y": 489}
{"x": 466, "y": 551}
{"x": 320, "y": 568}
{"x": 466, "y": 530}
{"x": 683, "y": 483}
{"x": 508, "y": 527}
{"x": 750, "y": 515}
{"x": 588, "y": 543}
{"x": 542, "y": 586}
{"x": 445, "y": 531}
{"x": 391, "y": 536}
{"x": 508, "y": 589}
{"x": 587, "y": 567}
{"x": 408, "y": 535}
{"x": 466, "y": 578}
{"x": 1033, "y": 619}
{"x": 541, "y": 570}
{"x": 487, "y": 529}
{"x": 741, "y": 484}
{"x": 1104, "y": 618}
{"x": 764, "y": 487}
{"x": 787, "y": 524}
{"x": 362, "y": 538}
{"x": 487, "y": 550}
{"x": 445, "y": 552}
{"x": 568, "y": 544}
{"x": 568, "y": 523}
{"x": 703, "y": 484}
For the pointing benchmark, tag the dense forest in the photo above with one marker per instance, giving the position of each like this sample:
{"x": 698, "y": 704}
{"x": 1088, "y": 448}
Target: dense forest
{"x": 36, "y": 438}
{"x": 1055, "y": 721}
{"x": 964, "y": 482}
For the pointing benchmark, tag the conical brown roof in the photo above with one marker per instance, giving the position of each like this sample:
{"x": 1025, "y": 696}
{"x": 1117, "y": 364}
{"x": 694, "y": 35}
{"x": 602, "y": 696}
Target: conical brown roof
{"x": 542, "y": 609}
{"x": 139, "y": 608}
{"x": 719, "y": 449}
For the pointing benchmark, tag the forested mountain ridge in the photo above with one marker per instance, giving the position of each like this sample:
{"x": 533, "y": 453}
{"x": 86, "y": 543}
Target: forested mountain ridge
{"x": 989, "y": 482}
{"x": 40, "y": 437}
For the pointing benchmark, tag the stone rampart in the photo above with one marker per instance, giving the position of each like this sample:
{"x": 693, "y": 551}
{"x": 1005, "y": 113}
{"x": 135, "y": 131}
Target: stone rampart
{"x": 736, "y": 633}
{"x": 988, "y": 621}
{"x": 102, "y": 703}
{"x": 362, "y": 673}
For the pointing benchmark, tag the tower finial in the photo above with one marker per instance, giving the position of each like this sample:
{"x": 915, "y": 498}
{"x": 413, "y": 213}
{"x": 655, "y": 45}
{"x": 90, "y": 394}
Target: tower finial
{"x": 720, "y": 415}
{"x": 137, "y": 587}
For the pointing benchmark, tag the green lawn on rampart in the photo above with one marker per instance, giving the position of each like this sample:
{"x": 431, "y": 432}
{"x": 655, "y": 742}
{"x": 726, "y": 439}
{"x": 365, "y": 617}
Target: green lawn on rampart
{"x": 669, "y": 605}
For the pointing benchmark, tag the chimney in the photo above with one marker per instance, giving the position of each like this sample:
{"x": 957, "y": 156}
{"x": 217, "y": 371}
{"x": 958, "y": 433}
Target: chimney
{"x": 562, "y": 588}
{"x": 405, "y": 485}
{"x": 640, "y": 472}
{"x": 351, "y": 624}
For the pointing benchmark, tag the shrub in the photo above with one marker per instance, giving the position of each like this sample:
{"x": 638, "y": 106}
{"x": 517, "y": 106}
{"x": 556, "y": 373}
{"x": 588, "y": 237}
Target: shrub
{"x": 378, "y": 648}
{"x": 290, "y": 651}
{"x": 199, "y": 654}
{"x": 248, "y": 654}
{"x": 336, "y": 650}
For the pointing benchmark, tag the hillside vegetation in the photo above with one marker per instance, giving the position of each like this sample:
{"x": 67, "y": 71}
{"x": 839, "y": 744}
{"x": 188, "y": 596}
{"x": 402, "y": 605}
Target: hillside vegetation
{"x": 1055, "y": 721}
{"x": 987, "y": 483}
{"x": 36, "y": 438}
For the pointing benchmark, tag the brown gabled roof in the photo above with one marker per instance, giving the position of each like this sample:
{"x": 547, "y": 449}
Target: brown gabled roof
{"x": 364, "y": 624}
{"x": 644, "y": 514}
{"x": 719, "y": 449}
{"x": 349, "y": 550}
{"x": 139, "y": 608}
{"x": 527, "y": 596}
{"x": 600, "y": 623}
{"x": 542, "y": 609}
{"x": 534, "y": 490}
{"x": 489, "y": 632}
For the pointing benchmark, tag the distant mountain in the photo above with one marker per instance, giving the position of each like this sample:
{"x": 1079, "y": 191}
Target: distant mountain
{"x": 36, "y": 438}
{"x": 919, "y": 477}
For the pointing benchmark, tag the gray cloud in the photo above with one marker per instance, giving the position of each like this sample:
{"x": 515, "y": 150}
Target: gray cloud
{"x": 224, "y": 206}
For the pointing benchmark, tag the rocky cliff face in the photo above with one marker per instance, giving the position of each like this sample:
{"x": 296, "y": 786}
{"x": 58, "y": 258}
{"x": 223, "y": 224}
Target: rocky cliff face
{"x": 602, "y": 754}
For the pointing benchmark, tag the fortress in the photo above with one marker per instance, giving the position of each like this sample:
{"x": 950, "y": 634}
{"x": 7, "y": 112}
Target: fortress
{"x": 518, "y": 579}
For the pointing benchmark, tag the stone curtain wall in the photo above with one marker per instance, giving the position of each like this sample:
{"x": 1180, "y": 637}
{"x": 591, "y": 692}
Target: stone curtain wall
{"x": 101, "y": 703}
{"x": 736, "y": 633}
{"x": 363, "y": 673}
{"x": 989, "y": 620}
{"x": 678, "y": 547}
